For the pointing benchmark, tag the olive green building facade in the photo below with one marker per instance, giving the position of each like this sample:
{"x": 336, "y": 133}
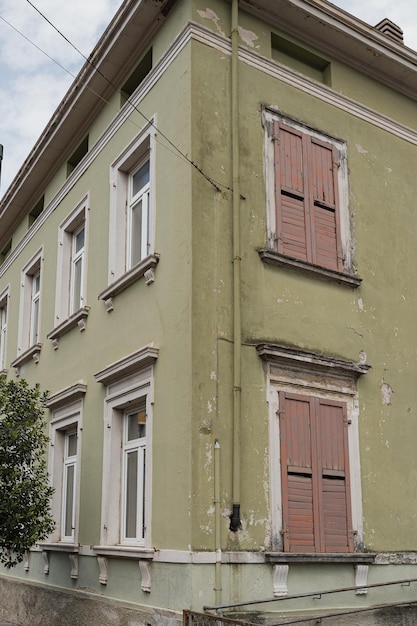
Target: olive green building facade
{"x": 208, "y": 260}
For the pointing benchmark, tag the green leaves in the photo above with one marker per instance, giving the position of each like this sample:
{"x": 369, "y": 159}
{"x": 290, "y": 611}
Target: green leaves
{"x": 25, "y": 516}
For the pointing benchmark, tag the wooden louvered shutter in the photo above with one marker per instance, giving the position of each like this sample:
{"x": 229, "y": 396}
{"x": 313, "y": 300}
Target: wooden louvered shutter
{"x": 297, "y": 473}
{"x": 307, "y": 198}
{"x": 334, "y": 487}
{"x": 324, "y": 211}
{"x": 291, "y": 193}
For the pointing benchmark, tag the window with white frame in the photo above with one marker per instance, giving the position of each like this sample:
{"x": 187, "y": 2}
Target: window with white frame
{"x": 70, "y": 295}
{"x": 132, "y": 213}
{"x": 64, "y": 454}
{"x": 30, "y": 304}
{"x": 126, "y": 496}
{"x": 316, "y": 504}
{"x": 3, "y": 328}
{"x": 308, "y": 226}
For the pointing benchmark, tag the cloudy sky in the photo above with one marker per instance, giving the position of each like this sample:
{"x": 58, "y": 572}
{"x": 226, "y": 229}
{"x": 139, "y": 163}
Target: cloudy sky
{"x": 32, "y": 85}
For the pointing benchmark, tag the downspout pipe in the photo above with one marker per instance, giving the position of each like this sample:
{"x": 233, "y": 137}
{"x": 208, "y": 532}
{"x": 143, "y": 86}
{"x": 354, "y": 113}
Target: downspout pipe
{"x": 235, "y": 522}
{"x": 217, "y": 535}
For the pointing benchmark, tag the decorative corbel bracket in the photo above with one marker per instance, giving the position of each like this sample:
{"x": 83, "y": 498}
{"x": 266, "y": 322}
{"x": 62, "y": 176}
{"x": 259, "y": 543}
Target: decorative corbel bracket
{"x": 361, "y": 579}
{"x": 280, "y": 577}
{"x": 145, "y": 571}
{"x": 73, "y": 559}
{"x": 104, "y": 570}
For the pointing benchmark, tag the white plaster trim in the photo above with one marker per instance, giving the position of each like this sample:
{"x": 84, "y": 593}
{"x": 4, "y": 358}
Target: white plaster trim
{"x": 26, "y": 560}
{"x": 68, "y": 394}
{"x": 280, "y": 577}
{"x": 361, "y": 579}
{"x": 45, "y": 562}
{"x": 145, "y": 572}
{"x": 73, "y": 559}
{"x": 103, "y": 568}
{"x": 137, "y": 360}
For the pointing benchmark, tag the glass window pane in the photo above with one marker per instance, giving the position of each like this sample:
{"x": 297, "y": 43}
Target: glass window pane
{"x": 131, "y": 494}
{"x": 34, "y": 322}
{"x": 136, "y": 425}
{"x": 76, "y": 285}
{"x": 72, "y": 444}
{"x": 79, "y": 240}
{"x": 140, "y": 178}
{"x": 136, "y": 234}
{"x": 69, "y": 504}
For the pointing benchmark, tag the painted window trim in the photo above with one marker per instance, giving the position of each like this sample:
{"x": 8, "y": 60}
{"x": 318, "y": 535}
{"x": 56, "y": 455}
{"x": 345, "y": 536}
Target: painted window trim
{"x": 270, "y": 254}
{"x": 65, "y": 317}
{"x": 66, "y": 408}
{"x": 128, "y": 381}
{"x": 141, "y": 148}
{"x": 4, "y": 311}
{"x": 306, "y": 373}
{"x": 26, "y": 350}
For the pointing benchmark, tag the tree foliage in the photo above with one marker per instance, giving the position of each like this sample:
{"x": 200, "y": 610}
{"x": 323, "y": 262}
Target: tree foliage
{"x": 25, "y": 516}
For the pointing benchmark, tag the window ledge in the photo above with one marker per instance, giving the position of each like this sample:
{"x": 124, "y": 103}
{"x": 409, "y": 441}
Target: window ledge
{"x": 32, "y": 354}
{"x": 59, "y": 547}
{"x": 322, "y": 273}
{"x": 139, "y": 270}
{"x": 128, "y": 552}
{"x": 351, "y": 557}
{"x": 76, "y": 319}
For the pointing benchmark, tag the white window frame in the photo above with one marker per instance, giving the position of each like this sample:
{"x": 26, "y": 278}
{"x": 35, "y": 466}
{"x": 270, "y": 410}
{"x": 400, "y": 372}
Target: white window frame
{"x": 129, "y": 384}
{"x": 65, "y": 419}
{"x": 4, "y": 303}
{"x": 141, "y": 197}
{"x": 69, "y": 463}
{"x": 268, "y": 118}
{"x": 65, "y": 306}
{"x": 313, "y": 384}
{"x": 141, "y": 149}
{"x": 30, "y": 303}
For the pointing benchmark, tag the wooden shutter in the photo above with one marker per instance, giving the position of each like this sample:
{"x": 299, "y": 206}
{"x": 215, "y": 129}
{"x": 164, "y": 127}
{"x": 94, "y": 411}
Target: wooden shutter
{"x": 306, "y": 198}
{"x": 291, "y": 193}
{"x": 335, "y": 505}
{"x": 315, "y": 475}
{"x": 297, "y": 473}
{"x": 324, "y": 206}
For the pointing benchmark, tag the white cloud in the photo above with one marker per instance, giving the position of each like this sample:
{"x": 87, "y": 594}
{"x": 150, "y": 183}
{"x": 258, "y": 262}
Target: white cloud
{"x": 31, "y": 84}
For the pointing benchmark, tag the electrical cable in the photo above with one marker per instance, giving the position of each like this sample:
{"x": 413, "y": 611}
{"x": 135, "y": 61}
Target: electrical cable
{"x": 217, "y": 185}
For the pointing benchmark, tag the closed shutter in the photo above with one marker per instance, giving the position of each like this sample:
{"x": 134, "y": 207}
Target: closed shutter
{"x": 291, "y": 191}
{"x": 306, "y": 198}
{"x": 315, "y": 475}
{"x": 335, "y": 483}
{"x": 297, "y": 473}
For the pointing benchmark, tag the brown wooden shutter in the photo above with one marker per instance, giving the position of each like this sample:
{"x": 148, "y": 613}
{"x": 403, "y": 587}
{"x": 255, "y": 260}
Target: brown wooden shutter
{"x": 291, "y": 189}
{"x": 324, "y": 206}
{"x": 297, "y": 473}
{"x": 315, "y": 475}
{"x": 307, "y": 198}
{"x": 334, "y": 490}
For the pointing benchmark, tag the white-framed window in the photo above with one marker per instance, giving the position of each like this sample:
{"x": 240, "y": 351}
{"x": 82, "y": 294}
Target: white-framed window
{"x": 127, "y": 453}
{"x": 71, "y": 263}
{"x": 3, "y": 327}
{"x": 306, "y": 172}
{"x": 30, "y": 304}
{"x": 134, "y": 494}
{"x": 64, "y": 454}
{"x": 315, "y": 485}
{"x": 132, "y": 209}
{"x": 138, "y": 240}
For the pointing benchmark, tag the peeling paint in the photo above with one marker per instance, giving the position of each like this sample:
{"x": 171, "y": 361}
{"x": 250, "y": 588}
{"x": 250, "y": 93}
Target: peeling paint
{"x": 389, "y": 169}
{"x": 360, "y": 304}
{"x": 247, "y": 36}
{"x": 213, "y": 375}
{"x": 362, "y": 357}
{"x": 386, "y": 393}
{"x": 209, "y": 407}
{"x": 360, "y": 149}
{"x": 209, "y": 14}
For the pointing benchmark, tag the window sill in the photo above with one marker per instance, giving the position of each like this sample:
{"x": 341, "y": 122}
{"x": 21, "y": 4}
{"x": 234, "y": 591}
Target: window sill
{"x": 59, "y": 547}
{"x": 139, "y": 270}
{"x": 32, "y": 354}
{"x": 128, "y": 552}
{"x": 302, "y": 267}
{"x": 292, "y": 557}
{"x": 76, "y": 319}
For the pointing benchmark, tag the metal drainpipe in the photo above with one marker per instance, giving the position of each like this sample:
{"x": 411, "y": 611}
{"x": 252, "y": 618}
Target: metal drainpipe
{"x": 217, "y": 534}
{"x": 235, "y": 522}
